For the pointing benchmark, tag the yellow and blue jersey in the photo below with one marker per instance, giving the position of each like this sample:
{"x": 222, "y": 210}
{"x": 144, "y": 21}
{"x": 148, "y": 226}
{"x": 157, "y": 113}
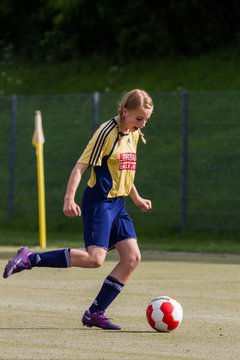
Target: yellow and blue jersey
{"x": 112, "y": 156}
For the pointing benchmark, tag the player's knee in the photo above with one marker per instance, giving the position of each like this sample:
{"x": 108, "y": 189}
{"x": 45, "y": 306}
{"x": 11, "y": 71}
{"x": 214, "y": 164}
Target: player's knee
{"x": 97, "y": 262}
{"x": 96, "y": 257}
{"x": 134, "y": 260}
{"x": 137, "y": 258}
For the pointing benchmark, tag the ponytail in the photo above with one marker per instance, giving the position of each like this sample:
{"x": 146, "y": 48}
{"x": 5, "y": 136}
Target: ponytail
{"x": 142, "y": 136}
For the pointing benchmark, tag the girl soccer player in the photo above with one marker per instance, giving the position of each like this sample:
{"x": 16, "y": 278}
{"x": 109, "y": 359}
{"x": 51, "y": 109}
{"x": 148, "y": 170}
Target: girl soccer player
{"x": 111, "y": 154}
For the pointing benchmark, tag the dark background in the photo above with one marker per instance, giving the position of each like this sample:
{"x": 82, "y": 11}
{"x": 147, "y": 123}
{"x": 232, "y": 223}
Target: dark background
{"x": 53, "y": 30}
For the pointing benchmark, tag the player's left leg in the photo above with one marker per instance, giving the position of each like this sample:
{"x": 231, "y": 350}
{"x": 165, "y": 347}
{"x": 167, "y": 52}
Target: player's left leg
{"x": 130, "y": 257}
{"x": 113, "y": 284}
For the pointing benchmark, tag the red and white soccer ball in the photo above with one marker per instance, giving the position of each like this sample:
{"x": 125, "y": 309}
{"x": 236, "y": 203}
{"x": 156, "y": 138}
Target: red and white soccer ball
{"x": 164, "y": 314}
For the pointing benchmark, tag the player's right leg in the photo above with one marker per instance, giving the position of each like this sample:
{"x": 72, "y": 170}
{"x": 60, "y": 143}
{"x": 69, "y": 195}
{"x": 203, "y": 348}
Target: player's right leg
{"x": 18, "y": 263}
{"x": 26, "y": 260}
{"x": 94, "y": 257}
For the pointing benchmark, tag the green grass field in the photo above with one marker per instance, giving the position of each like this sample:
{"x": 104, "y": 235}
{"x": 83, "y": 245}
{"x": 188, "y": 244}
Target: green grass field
{"x": 41, "y": 309}
{"x": 175, "y": 242}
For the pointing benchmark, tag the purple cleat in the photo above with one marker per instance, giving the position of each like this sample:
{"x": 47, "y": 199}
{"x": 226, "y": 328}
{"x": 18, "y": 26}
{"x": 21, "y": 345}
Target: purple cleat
{"x": 18, "y": 263}
{"x": 99, "y": 320}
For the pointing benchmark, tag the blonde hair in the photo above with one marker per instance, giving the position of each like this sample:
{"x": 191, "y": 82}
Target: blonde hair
{"x": 133, "y": 100}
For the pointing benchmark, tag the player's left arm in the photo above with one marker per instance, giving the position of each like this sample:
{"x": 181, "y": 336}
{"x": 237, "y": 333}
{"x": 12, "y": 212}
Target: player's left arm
{"x": 143, "y": 204}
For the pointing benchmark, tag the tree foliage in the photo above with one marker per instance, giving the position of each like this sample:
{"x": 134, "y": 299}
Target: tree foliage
{"x": 63, "y": 30}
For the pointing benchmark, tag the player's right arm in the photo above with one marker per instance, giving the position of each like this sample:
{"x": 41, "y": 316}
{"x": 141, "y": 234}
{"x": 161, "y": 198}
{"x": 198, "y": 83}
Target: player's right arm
{"x": 70, "y": 208}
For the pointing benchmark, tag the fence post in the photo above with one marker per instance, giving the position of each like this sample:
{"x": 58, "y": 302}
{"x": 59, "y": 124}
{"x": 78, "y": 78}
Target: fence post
{"x": 12, "y": 140}
{"x": 184, "y": 175}
{"x": 95, "y": 101}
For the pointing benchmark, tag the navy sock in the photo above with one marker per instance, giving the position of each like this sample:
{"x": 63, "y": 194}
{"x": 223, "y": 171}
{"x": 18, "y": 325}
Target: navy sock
{"x": 55, "y": 259}
{"x": 109, "y": 291}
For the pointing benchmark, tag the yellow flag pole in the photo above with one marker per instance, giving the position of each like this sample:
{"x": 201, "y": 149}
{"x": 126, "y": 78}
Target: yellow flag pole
{"x": 38, "y": 141}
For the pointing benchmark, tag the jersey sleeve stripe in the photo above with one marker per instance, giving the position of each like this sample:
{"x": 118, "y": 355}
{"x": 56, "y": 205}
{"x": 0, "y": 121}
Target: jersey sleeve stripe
{"x": 100, "y": 142}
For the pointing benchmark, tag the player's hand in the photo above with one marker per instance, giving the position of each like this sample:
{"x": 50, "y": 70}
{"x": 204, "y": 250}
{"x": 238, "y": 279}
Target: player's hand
{"x": 71, "y": 209}
{"x": 144, "y": 204}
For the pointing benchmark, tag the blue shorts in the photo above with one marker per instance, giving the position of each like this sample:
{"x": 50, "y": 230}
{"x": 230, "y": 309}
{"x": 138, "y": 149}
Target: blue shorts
{"x": 105, "y": 222}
